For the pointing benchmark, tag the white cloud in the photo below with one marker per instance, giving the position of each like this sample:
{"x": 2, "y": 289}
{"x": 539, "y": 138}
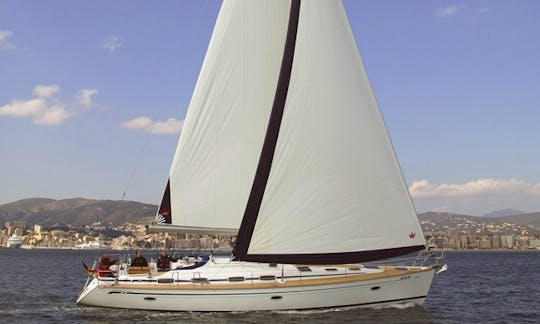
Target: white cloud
{"x": 5, "y": 43}
{"x": 23, "y": 108}
{"x": 424, "y": 189}
{"x": 5, "y": 34}
{"x": 84, "y": 97}
{"x": 112, "y": 43}
{"x": 45, "y": 91}
{"x": 476, "y": 197}
{"x": 45, "y": 108}
{"x": 170, "y": 126}
{"x": 53, "y": 116}
{"x": 138, "y": 123}
{"x": 449, "y": 11}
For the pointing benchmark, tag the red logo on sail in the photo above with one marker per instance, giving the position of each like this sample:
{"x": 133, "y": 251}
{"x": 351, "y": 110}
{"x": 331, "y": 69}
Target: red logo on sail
{"x": 412, "y": 235}
{"x": 164, "y": 212}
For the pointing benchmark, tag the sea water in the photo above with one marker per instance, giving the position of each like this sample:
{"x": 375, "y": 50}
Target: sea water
{"x": 41, "y": 286}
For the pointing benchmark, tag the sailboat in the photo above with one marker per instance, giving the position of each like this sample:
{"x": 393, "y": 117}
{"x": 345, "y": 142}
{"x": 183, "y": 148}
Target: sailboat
{"x": 283, "y": 146}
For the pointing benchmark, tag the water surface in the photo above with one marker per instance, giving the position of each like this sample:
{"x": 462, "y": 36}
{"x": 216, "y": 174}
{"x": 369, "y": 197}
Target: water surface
{"x": 41, "y": 286}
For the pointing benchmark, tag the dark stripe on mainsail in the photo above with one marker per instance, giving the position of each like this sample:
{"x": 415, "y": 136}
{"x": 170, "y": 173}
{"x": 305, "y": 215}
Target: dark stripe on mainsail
{"x": 165, "y": 207}
{"x": 270, "y": 140}
{"x": 333, "y": 258}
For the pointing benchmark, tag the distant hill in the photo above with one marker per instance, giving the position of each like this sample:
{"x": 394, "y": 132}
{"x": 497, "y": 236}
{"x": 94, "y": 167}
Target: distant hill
{"x": 457, "y": 221}
{"x": 447, "y": 220}
{"x": 531, "y": 220}
{"x": 504, "y": 212}
{"x": 80, "y": 211}
{"x": 75, "y": 211}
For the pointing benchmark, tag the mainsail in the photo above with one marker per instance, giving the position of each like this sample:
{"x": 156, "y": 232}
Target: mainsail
{"x": 284, "y": 136}
{"x": 217, "y": 155}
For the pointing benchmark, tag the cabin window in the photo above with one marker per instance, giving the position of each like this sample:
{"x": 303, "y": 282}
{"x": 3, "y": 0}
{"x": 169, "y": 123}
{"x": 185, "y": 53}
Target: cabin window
{"x": 402, "y": 269}
{"x": 330, "y": 269}
{"x": 236, "y": 279}
{"x": 303, "y": 268}
{"x": 267, "y": 278}
{"x": 354, "y": 268}
{"x": 375, "y": 288}
{"x": 371, "y": 267}
{"x": 199, "y": 280}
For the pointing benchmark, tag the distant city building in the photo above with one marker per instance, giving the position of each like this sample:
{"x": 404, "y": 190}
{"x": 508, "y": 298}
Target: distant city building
{"x": 496, "y": 241}
{"x": 507, "y": 241}
{"x": 459, "y": 233}
{"x": 535, "y": 243}
{"x": 12, "y": 225}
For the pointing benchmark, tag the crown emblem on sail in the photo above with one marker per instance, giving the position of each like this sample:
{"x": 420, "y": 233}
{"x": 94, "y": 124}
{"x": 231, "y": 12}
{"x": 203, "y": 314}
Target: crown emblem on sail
{"x": 412, "y": 235}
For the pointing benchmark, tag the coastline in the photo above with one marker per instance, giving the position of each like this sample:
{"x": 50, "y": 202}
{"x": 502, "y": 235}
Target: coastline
{"x": 486, "y": 250}
{"x": 26, "y": 247}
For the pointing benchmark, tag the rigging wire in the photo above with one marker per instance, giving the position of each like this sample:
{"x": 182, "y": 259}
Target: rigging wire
{"x": 139, "y": 158}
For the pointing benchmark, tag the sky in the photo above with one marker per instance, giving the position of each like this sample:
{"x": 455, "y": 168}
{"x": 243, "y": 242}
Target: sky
{"x": 93, "y": 95}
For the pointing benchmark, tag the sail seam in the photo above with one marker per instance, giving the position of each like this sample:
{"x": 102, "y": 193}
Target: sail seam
{"x": 270, "y": 140}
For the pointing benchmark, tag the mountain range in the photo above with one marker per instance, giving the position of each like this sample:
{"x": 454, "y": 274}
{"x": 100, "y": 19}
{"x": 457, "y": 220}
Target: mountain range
{"x": 80, "y": 211}
{"x": 438, "y": 220}
{"x": 504, "y": 212}
{"x": 76, "y": 211}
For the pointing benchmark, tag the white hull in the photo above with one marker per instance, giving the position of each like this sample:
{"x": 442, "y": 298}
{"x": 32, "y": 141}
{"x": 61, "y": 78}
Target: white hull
{"x": 14, "y": 242}
{"x": 312, "y": 291}
{"x": 90, "y": 246}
